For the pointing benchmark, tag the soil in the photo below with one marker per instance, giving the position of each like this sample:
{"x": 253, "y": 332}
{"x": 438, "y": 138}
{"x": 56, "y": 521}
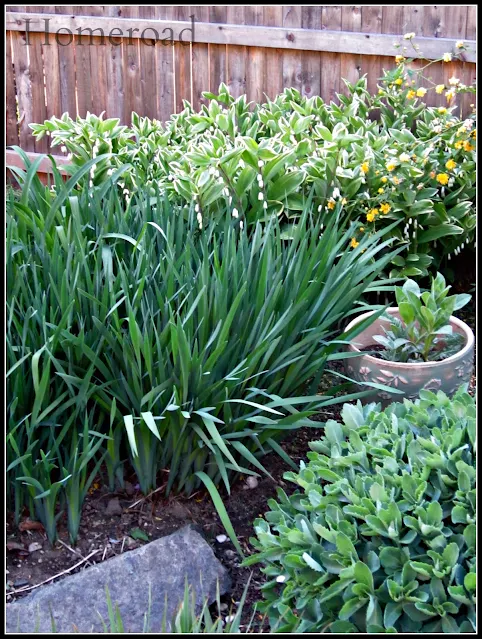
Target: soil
{"x": 110, "y": 533}
{"x": 374, "y": 350}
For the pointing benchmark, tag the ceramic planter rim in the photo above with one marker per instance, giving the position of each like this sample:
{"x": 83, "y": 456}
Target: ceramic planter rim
{"x": 467, "y": 331}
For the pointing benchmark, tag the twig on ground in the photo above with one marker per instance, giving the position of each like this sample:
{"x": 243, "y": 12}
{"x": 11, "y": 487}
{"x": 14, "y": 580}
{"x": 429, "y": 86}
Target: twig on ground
{"x": 147, "y": 496}
{"x": 72, "y": 550}
{"x": 64, "y": 572}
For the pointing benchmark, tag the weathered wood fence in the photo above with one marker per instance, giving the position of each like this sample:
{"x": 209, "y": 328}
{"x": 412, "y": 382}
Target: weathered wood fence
{"x": 116, "y": 63}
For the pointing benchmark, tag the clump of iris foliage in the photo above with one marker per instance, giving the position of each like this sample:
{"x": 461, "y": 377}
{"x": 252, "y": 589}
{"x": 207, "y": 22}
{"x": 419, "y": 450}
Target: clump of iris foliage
{"x": 134, "y": 337}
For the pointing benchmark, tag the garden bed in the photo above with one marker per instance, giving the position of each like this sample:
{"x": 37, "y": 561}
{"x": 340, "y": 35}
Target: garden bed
{"x": 156, "y": 517}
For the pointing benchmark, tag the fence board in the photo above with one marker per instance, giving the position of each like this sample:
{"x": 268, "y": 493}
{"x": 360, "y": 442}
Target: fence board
{"x": 273, "y": 71}
{"x": 311, "y": 61}
{"x": 331, "y": 62}
{"x": 253, "y": 15}
{"x": 11, "y": 103}
{"x": 257, "y": 50}
{"x": 350, "y": 64}
{"x": 68, "y": 99}
{"x": 217, "y": 52}
{"x": 165, "y": 70}
{"x": 200, "y": 61}
{"x": 291, "y": 60}
{"x": 236, "y": 56}
{"x": 24, "y": 90}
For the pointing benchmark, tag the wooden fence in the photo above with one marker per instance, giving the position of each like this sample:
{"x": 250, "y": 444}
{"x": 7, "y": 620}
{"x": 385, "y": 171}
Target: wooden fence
{"x": 255, "y": 50}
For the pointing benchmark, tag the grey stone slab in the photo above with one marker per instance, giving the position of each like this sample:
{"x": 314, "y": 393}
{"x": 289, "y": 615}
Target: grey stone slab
{"x": 164, "y": 565}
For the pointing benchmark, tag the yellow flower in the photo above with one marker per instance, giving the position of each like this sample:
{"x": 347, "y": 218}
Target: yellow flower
{"x": 331, "y": 204}
{"x": 450, "y": 94}
{"x": 384, "y": 179}
{"x": 459, "y": 44}
{"x": 468, "y": 146}
{"x": 461, "y": 130}
{"x": 362, "y": 228}
{"x": 447, "y": 57}
{"x": 399, "y": 59}
{"x": 404, "y": 157}
{"x": 453, "y": 81}
{"x": 385, "y": 207}
{"x": 439, "y": 88}
{"x": 459, "y": 144}
{"x": 432, "y": 174}
{"x": 354, "y": 243}
{"x": 377, "y": 172}
{"x": 344, "y": 201}
{"x": 395, "y": 180}
{"x": 381, "y": 190}
{"x": 474, "y": 134}
{"x": 408, "y": 36}
{"x": 443, "y": 178}
{"x": 411, "y": 94}
{"x": 442, "y": 110}
{"x": 399, "y": 81}
{"x": 391, "y": 166}
{"x": 370, "y": 217}
{"x": 365, "y": 167}
{"x": 450, "y": 164}
{"x": 421, "y": 92}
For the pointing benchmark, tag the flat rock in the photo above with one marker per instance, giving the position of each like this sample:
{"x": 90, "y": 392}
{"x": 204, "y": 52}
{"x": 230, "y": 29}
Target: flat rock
{"x": 163, "y": 565}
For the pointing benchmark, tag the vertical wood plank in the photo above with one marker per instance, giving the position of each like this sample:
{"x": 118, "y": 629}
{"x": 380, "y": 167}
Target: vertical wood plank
{"x": 330, "y": 62}
{"x": 130, "y": 67}
{"x": 236, "y": 56}
{"x": 165, "y": 69}
{"x": 66, "y": 56}
{"x": 147, "y": 65}
{"x": 350, "y": 64}
{"x": 273, "y": 76}
{"x": 98, "y": 75}
{"x": 217, "y": 52}
{"x": 371, "y": 22}
{"x": 11, "y": 100}
{"x": 292, "y": 59}
{"x": 24, "y": 89}
{"x": 392, "y": 20}
{"x": 471, "y": 26}
{"x": 36, "y": 72}
{"x": 182, "y": 56}
{"x": 311, "y": 60}
{"x": 256, "y": 58}
{"x": 200, "y": 62}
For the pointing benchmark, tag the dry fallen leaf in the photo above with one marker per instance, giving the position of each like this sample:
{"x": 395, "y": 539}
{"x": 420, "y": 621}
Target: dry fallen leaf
{"x": 28, "y": 524}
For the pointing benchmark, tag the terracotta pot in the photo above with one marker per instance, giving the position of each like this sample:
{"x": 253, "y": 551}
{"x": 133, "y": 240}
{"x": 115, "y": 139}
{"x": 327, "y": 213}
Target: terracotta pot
{"x": 446, "y": 375}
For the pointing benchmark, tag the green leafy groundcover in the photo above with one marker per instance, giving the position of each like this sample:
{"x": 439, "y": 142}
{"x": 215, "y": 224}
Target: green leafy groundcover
{"x": 381, "y": 535}
{"x": 415, "y": 165}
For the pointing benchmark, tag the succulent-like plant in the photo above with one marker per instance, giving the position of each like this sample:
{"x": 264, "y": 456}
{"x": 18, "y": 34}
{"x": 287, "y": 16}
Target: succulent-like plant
{"x": 380, "y": 537}
{"x": 424, "y": 332}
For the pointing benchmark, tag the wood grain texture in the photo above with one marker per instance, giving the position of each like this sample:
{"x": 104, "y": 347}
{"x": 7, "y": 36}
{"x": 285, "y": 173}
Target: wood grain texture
{"x": 200, "y": 61}
{"x": 11, "y": 104}
{"x": 331, "y": 62}
{"x": 24, "y": 91}
{"x": 217, "y": 52}
{"x": 257, "y": 50}
{"x": 311, "y": 61}
{"x": 256, "y": 58}
{"x": 166, "y": 88}
{"x": 236, "y": 56}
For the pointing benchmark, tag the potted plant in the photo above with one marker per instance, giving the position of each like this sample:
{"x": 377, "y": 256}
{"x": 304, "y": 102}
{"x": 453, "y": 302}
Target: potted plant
{"x": 416, "y": 345}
